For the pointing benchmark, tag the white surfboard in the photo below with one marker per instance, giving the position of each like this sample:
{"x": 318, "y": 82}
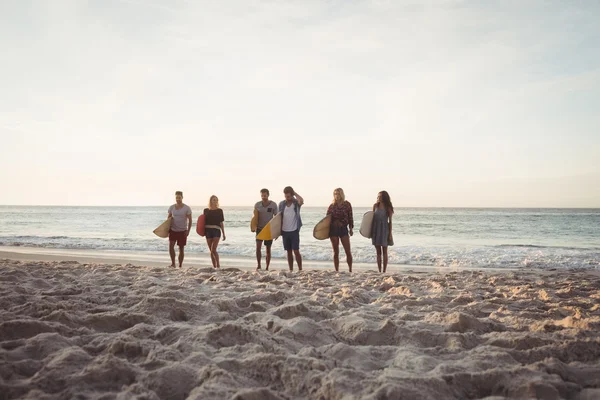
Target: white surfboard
{"x": 272, "y": 230}
{"x": 321, "y": 229}
{"x": 366, "y": 224}
{"x": 163, "y": 229}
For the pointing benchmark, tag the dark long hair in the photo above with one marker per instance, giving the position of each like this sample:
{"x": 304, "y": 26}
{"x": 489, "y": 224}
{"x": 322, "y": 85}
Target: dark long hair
{"x": 387, "y": 202}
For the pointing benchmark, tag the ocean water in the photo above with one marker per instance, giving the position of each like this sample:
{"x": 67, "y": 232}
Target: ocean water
{"x": 440, "y": 237}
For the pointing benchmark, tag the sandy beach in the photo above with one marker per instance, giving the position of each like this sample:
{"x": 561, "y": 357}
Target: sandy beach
{"x": 82, "y": 330}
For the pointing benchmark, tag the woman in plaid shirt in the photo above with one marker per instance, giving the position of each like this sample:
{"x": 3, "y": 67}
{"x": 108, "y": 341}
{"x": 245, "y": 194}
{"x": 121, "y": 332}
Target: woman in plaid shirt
{"x": 341, "y": 219}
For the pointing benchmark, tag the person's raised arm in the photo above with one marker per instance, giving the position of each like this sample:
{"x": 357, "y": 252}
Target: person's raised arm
{"x": 299, "y": 198}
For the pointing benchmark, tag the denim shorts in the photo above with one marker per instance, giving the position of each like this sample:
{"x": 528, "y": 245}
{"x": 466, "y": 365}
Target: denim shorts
{"x": 212, "y": 233}
{"x": 291, "y": 240}
{"x": 268, "y": 243}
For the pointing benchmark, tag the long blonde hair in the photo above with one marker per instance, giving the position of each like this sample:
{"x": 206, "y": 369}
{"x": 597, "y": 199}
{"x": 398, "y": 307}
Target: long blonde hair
{"x": 342, "y": 195}
{"x": 210, "y": 201}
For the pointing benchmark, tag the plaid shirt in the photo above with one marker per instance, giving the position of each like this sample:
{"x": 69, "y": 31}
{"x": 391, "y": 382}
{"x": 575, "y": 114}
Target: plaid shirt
{"x": 341, "y": 214}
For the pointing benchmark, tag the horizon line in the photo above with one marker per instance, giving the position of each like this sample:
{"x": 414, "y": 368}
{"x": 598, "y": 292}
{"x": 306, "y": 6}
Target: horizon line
{"x": 319, "y": 206}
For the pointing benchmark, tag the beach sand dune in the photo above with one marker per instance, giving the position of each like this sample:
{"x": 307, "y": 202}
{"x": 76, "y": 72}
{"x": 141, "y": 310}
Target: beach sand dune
{"x": 97, "y": 331}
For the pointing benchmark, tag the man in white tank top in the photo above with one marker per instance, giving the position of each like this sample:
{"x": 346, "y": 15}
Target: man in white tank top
{"x": 290, "y": 226}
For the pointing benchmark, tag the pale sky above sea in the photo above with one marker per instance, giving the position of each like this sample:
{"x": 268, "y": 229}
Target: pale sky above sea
{"x": 443, "y": 103}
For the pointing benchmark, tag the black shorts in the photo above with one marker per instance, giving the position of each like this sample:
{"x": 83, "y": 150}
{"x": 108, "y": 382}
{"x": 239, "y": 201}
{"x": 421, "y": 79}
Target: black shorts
{"x": 268, "y": 243}
{"x": 179, "y": 237}
{"x": 338, "y": 231}
{"x": 212, "y": 233}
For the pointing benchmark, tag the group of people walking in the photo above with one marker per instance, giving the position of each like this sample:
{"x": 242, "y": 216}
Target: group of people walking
{"x": 341, "y": 227}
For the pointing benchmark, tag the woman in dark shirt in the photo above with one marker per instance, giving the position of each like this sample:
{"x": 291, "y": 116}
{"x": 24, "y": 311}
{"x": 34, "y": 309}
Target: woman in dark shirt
{"x": 214, "y": 226}
{"x": 341, "y": 219}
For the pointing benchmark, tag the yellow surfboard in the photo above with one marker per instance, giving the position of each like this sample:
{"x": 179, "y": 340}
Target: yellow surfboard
{"x": 163, "y": 229}
{"x": 254, "y": 221}
{"x": 321, "y": 229}
{"x": 272, "y": 230}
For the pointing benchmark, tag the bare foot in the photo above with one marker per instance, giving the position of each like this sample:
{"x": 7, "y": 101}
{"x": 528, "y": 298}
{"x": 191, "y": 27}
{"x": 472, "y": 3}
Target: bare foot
{"x": 172, "y": 266}
{"x": 258, "y": 267}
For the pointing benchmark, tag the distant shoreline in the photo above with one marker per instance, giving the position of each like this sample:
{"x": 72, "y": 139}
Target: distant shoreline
{"x": 314, "y": 207}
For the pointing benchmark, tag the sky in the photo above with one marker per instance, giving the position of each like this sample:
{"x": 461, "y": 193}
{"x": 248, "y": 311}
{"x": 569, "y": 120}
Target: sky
{"x": 444, "y": 103}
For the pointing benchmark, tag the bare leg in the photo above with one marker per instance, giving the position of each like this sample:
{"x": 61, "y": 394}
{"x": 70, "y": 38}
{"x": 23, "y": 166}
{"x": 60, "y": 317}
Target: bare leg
{"x": 172, "y": 252}
{"x": 385, "y": 258}
{"x": 335, "y": 243}
{"x": 181, "y": 256}
{"x": 213, "y": 251}
{"x": 346, "y": 243}
{"x": 378, "y": 248}
{"x": 290, "y": 260}
{"x": 298, "y": 259}
{"x": 268, "y": 257}
{"x": 259, "y": 254}
{"x": 209, "y": 242}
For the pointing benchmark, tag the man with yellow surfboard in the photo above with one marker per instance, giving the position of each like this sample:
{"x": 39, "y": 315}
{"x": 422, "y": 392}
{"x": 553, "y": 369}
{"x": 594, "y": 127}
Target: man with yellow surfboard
{"x": 264, "y": 211}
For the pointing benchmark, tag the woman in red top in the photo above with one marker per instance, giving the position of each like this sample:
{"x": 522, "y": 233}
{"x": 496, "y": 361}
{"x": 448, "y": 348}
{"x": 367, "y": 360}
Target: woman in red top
{"x": 341, "y": 219}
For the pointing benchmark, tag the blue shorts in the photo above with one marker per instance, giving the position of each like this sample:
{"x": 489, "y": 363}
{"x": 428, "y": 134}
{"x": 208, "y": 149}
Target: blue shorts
{"x": 212, "y": 233}
{"x": 291, "y": 240}
{"x": 268, "y": 243}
